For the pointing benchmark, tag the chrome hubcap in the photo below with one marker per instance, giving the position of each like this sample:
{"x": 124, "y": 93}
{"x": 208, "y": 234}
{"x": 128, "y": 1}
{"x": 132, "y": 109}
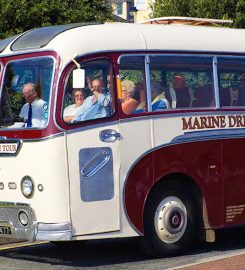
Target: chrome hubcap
{"x": 170, "y": 219}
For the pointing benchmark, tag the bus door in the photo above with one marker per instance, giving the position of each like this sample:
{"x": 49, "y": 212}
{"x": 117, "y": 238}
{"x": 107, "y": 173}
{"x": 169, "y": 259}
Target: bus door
{"x": 94, "y": 171}
{"x": 93, "y": 154}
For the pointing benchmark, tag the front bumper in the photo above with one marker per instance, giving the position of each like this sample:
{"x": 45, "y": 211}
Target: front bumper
{"x": 11, "y": 227}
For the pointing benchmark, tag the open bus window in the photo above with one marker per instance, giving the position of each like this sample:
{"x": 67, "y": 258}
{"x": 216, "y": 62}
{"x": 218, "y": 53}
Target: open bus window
{"x": 231, "y": 73}
{"x": 26, "y": 93}
{"x": 132, "y": 75}
{"x": 94, "y": 101}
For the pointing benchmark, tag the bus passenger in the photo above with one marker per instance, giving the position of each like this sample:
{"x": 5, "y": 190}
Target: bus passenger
{"x": 35, "y": 111}
{"x": 78, "y": 96}
{"x": 180, "y": 96}
{"x": 129, "y": 104}
{"x": 95, "y": 106}
{"x": 159, "y": 101}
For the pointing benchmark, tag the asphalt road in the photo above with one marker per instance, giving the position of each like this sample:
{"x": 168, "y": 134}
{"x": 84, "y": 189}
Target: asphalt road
{"x": 122, "y": 254}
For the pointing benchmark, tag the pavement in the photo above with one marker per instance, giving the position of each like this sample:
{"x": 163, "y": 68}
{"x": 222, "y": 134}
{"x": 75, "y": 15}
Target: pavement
{"x": 5, "y": 241}
{"x": 226, "y": 262}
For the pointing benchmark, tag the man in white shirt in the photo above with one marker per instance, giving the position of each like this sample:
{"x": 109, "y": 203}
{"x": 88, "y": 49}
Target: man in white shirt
{"x": 95, "y": 106}
{"x": 35, "y": 111}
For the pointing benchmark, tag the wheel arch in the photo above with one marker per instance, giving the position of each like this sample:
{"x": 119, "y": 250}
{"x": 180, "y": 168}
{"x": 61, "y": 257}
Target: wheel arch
{"x": 187, "y": 182}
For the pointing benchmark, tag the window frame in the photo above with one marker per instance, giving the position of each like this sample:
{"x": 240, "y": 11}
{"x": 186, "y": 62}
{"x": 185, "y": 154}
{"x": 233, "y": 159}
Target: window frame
{"x": 21, "y": 58}
{"x": 214, "y": 74}
{"x": 65, "y": 78}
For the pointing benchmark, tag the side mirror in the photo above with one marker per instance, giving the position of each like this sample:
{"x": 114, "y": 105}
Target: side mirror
{"x": 78, "y": 78}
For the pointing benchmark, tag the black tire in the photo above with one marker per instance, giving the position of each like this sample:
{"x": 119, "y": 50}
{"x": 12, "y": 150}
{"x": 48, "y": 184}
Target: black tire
{"x": 169, "y": 221}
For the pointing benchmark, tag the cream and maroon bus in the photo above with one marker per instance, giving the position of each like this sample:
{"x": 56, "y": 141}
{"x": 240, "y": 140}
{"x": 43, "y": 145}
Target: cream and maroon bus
{"x": 166, "y": 173}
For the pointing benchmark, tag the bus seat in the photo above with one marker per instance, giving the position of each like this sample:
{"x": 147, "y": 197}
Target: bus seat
{"x": 140, "y": 93}
{"x": 183, "y": 98}
{"x": 241, "y": 96}
{"x": 204, "y": 96}
{"x": 225, "y": 96}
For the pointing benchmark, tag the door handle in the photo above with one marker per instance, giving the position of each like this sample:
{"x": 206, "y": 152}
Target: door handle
{"x": 109, "y": 135}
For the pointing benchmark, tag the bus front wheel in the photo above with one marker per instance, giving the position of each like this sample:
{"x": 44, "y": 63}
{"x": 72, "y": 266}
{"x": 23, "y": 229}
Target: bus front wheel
{"x": 169, "y": 222}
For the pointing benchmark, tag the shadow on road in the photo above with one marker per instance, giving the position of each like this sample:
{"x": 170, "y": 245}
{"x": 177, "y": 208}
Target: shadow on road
{"x": 119, "y": 251}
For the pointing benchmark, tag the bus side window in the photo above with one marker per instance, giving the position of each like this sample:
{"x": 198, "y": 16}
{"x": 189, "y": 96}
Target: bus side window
{"x": 132, "y": 74}
{"x": 183, "y": 79}
{"x": 95, "y": 100}
{"x": 231, "y": 74}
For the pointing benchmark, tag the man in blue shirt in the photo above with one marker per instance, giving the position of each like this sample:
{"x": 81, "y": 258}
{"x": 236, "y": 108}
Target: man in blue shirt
{"x": 94, "y": 106}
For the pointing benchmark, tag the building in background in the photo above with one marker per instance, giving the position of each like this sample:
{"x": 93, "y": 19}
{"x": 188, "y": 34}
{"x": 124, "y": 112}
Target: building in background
{"x": 144, "y": 9}
{"x": 133, "y": 10}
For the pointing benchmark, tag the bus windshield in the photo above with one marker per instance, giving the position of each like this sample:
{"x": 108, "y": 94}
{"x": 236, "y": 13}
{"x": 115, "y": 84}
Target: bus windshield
{"x": 26, "y": 93}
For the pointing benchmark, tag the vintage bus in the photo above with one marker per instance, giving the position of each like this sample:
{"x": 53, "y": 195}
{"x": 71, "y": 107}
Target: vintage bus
{"x": 160, "y": 153}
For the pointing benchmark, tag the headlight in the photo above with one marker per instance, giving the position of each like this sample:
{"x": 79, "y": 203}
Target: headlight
{"x": 27, "y": 186}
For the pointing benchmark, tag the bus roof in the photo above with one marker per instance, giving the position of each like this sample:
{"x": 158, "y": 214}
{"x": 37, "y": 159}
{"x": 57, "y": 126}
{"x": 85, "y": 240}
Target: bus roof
{"x": 84, "y": 39}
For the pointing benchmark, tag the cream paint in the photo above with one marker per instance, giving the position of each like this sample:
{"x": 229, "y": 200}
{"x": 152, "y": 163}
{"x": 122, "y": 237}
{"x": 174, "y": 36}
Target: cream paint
{"x": 45, "y": 161}
{"x": 95, "y": 216}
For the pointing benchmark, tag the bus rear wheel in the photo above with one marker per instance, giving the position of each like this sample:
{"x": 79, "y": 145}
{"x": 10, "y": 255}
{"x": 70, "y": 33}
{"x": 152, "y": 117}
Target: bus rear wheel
{"x": 169, "y": 222}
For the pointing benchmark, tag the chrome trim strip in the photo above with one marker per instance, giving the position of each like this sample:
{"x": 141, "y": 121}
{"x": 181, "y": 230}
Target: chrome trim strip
{"x": 90, "y": 127}
{"x": 195, "y": 136}
{"x": 148, "y": 82}
{"x": 61, "y": 134}
{"x": 54, "y": 231}
{"x": 216, "y": 83}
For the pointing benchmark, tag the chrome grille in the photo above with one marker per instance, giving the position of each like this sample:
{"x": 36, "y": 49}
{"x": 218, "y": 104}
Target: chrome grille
{"x": 10, "y": 214}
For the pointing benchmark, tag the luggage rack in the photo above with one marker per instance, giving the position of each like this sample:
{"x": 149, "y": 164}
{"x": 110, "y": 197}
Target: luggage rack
{"x": 188, "y": 21}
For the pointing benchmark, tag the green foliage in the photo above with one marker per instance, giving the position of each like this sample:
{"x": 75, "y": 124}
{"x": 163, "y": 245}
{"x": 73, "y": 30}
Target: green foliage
{"x": 226, "y": 9}
{"x": 240, "y": 14}
{"x": 21, "y": 15}
{"x": 171, "y": 8}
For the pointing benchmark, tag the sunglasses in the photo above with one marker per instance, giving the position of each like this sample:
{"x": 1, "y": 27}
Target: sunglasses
{"x": 76, "y": 96}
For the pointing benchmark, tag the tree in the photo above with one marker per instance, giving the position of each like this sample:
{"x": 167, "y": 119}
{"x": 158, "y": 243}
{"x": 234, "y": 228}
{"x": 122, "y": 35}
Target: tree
{"x": 226, "y": 9}
{"x": 163, "y": 8}
{"x": 240, "y": 14}
{"x": 17, "y": 16}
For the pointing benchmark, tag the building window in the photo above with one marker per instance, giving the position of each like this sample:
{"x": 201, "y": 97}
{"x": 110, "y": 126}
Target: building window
{"x": 119, "y": 10}
{"x": 140, "y": 4}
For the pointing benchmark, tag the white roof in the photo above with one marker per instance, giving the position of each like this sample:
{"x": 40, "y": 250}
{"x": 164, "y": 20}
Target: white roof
{"x": 144, "y": 37}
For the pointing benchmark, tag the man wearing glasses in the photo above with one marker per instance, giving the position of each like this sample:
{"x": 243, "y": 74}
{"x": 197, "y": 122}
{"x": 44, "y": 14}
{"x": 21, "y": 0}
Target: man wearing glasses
{"x": 94, "y": 106}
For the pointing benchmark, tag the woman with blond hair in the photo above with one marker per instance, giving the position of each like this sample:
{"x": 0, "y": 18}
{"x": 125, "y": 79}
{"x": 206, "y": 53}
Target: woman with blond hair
{"x": 129, "y": 104}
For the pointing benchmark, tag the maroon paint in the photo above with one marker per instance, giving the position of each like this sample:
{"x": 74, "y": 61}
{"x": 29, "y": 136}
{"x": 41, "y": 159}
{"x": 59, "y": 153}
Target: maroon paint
{"x": 234, "y": 177}
{"x": 51, "y": 129}
{"x": 199, "y": 160}
{"x": 139, "y": 183}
